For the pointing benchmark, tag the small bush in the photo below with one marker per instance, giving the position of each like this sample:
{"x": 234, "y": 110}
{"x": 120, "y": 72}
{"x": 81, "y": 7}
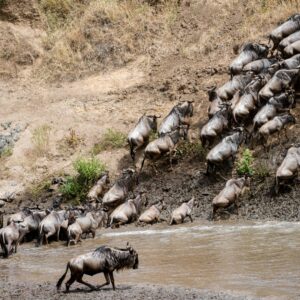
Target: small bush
{"x": 38, "y": 189}
{"x": 88, "y": 171}
{"x": 261, "y": 171}
{"x": 40, "y": 139}
{"x": 112, "y": 139}
{"x": 195, "y": 149}
{"x": 245, "y": 164}
{"x": 72, "y": 140}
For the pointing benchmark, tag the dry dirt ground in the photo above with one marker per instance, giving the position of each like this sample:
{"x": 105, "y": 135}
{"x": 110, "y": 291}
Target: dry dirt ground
{"x": 47, "y": 291}
{"x": 194, "y": 56}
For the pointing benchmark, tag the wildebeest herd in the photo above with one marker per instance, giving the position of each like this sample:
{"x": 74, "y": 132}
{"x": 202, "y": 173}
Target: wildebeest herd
{"x": 255, "y": 103}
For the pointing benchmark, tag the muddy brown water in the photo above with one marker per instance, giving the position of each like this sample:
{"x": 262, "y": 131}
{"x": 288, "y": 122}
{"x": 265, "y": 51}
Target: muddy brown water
{"x": 260, "y": 259}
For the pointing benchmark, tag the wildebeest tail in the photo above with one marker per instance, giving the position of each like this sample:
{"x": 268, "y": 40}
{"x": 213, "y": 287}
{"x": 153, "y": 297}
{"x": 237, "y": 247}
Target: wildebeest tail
{"x": 3, "y": 244}
{"x": 61, "y": 279}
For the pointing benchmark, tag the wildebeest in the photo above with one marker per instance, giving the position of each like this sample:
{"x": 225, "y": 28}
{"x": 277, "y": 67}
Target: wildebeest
{"x": 162, "y": 145}
{"x": 179, "y": 115}
{"x": 52, "y": 224}
{"x": 33, "y": 220}
{"x": 249, "y": 53}
{"x": 275, "y": 125}
{"x": 281, "y": 80}
{"x": 289, "y": 167}
{"x": 287, "y": 64}
{"x": 184, "y": 210}
{"x": 273, "y": 106}
{"x": 140, "y": 134}
{"x": 216, "y": 125}
{"x": 152, "y": 214}
{"x": 237, "y": 83}
{"x": 103, "y": 260}
{"x": 19, "y": 216}
{"x": 248, "y": 100}
{"x": 292, "y": 49}
{"x": 87, "y": 224}
{"x": 126, "y": 212}
{"x": 224, "y": 150}
{"x": 289, "y": 40}
{"x": 260, "y": 65}
{"x": 215, "y": 102}
{"x": 291, "y": 25}
{"x": 230, "y": 194}
{"x": 11, "y": 236}
{"x": 119, "y": 191}
{"x": 98, "y": 189}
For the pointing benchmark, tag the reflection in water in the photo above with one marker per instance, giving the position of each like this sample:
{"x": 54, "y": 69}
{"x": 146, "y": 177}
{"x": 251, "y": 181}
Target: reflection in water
{"x": 255, "y": 259}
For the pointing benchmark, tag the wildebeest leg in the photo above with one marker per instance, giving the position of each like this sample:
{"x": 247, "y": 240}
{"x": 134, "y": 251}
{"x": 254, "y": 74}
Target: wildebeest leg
{"x": 57, "y": 233}
{"x": 190, "y": 218}
{"x": 79, "y": 279}
{"x": 107, "y": 281}
{"x": 111, "y": 275}
{"x": 70, "y": 282}
{"x": 9, "y": 248}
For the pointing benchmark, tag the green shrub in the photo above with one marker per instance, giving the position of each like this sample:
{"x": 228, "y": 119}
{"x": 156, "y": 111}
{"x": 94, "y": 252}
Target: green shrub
{"x": 112, "y": 139}
{"x": 38, "y": 189}
{"x": 245, "y": 164}
{"x": 88, "y": 171}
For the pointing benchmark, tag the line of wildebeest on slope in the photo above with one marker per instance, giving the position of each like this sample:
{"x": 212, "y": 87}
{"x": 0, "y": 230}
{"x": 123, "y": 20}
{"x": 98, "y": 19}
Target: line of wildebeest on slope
{"x": 253, "y": 105}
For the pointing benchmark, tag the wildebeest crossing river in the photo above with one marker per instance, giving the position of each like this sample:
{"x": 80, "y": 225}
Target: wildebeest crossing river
{"x": 260, "y": 259}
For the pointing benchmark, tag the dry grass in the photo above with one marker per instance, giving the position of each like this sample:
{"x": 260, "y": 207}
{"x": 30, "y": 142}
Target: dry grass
{"x": 40, "y": 139}
{"x": 100, "y": 34}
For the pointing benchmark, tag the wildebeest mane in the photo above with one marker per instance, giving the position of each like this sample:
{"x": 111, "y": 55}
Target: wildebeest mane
{"x": 119, "y": 257}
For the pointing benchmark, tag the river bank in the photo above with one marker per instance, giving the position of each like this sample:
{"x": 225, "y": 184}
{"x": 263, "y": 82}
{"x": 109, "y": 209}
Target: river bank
{"x": 135, "y": 292}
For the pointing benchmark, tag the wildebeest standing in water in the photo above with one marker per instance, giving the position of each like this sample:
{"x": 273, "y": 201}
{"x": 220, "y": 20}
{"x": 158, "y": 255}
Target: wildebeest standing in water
{"x": 140, "y": 134}
{"x": 179, "y": 115}
{"x": 103, "y": 260}
{"x": 249, "y": 53}
{"x": 288, "y": 168}
{"x": 152, "y": 214}
{"x": 119, "y": 191}
{"x": 11, "y": 236}
{"x": 225, "y": 150}
{"x": 291, "y": 25}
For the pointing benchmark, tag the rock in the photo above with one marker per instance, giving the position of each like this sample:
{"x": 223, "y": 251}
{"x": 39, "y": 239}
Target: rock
{"x": 2, "y": 203}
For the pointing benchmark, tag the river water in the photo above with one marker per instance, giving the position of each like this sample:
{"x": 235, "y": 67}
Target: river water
{"x": 260, "y": 259}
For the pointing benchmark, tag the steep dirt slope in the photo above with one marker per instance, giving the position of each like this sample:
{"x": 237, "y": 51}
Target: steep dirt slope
{"x": 189, "y": 53}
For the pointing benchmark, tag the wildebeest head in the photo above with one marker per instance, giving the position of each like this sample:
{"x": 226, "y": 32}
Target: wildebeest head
{"x": 212, "y": 93}
{"x": 288, "y": 118}
{"x": 185, "y": 108}
{"x": 152, "y": 121}
{"x": 134, "y": 257}
{"x": 260, "y": 49}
